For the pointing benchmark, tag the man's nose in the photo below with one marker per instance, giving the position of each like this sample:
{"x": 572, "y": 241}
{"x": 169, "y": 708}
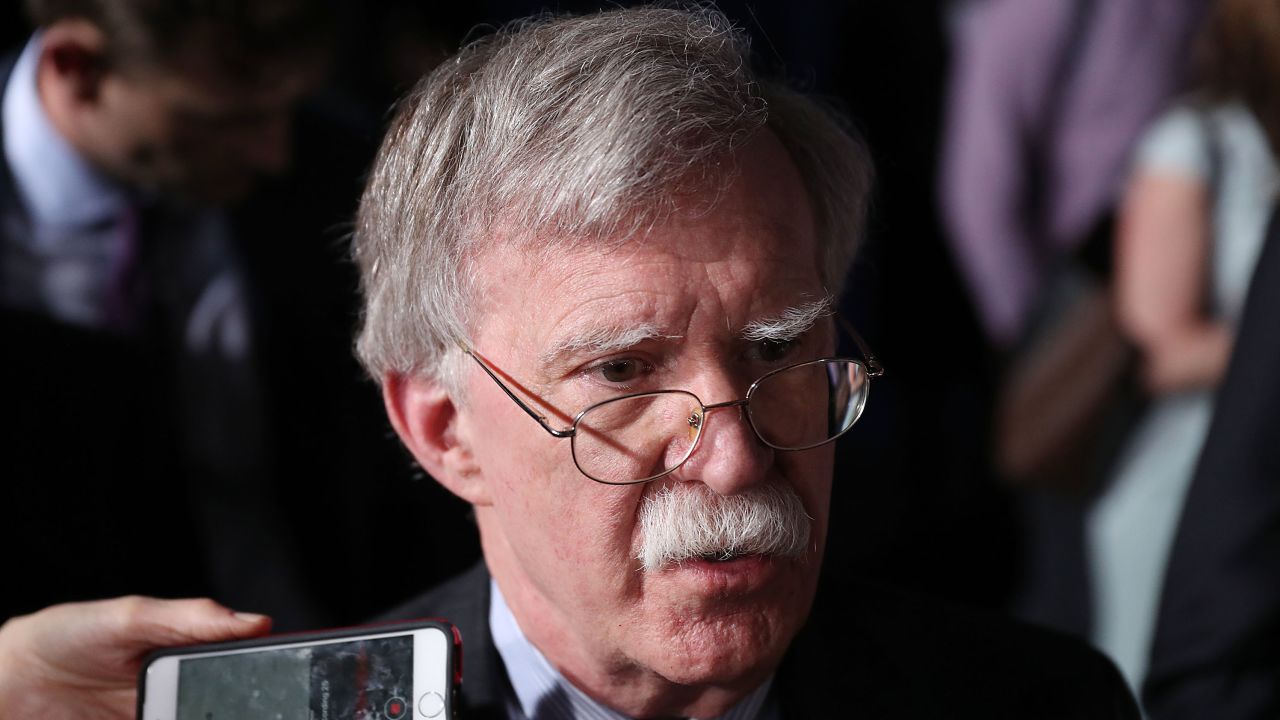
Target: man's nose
{"x": 729, "y": 458}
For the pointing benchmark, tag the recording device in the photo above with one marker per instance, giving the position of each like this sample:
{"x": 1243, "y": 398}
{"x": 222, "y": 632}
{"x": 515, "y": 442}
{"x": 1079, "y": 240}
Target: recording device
{"x": 402, "y": 671}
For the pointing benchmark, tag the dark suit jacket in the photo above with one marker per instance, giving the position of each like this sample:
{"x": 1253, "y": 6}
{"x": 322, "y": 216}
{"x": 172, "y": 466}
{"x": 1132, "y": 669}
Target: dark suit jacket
{"x": 131, "y": 465}
{"x": 1216, "y": 652}
{"x": 866, "y": 652}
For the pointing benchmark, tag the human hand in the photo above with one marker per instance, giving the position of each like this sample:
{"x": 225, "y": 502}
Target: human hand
{"x": 81, "y": 660}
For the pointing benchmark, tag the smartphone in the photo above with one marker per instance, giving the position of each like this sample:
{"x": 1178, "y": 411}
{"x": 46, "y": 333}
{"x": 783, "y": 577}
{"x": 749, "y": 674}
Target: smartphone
{"x": 402, "y": 671}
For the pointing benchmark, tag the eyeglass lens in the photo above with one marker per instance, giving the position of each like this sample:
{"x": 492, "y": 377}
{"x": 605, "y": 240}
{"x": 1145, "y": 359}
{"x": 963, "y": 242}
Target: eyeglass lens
{"x": 633, "y": 439}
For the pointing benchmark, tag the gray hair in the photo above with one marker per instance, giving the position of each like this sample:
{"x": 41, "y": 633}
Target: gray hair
{"x": 581, "y": 128}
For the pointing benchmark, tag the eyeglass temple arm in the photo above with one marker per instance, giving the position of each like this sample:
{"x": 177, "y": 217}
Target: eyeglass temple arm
{"x": 874, "y": 368}
{"x": 541, "y": 419}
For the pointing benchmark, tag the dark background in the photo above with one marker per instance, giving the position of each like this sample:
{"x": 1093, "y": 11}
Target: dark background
{"x": 915, "y": 502}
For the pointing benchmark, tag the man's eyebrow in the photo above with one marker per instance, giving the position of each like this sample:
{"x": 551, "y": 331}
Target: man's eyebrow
{"x": 600, "y": 340}
{"x": 790, "y": 323}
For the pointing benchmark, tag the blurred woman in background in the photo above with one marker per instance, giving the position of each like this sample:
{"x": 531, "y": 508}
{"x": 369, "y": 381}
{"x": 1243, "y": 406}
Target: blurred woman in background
{"x": 1190, "y": 228}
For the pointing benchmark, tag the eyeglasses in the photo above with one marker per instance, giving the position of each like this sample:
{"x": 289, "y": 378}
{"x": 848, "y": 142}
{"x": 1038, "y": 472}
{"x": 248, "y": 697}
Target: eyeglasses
{"x": 641, "y": 437}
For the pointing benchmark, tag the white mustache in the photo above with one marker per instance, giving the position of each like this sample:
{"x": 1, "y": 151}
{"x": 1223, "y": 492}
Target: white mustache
{"x": 684, "y": 521}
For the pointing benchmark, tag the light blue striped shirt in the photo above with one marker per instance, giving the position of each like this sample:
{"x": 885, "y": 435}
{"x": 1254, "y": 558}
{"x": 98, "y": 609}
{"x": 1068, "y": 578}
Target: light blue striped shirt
{"x": 542, "y": 693}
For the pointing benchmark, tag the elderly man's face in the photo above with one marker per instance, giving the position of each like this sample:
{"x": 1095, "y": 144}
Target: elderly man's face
{"x": 665, "y": 311}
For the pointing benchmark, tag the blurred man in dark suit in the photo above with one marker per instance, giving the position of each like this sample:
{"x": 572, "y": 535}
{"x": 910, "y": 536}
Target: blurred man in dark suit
{"x": 1216, "y": 651}
{"x": 174, "y": 289}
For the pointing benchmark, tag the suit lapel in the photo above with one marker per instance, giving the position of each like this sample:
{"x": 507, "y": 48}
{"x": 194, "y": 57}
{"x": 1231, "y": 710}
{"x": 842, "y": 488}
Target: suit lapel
{"x": 464, "y": 601}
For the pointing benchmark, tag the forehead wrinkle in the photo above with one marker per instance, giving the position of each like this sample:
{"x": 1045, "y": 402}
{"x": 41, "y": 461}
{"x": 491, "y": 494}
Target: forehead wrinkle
{"x": 602, "y": 339}
{"x": 790, "y": 323}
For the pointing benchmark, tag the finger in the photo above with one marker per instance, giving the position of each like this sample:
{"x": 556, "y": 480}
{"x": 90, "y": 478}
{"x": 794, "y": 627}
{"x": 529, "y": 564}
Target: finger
{"x": 101, "y": 642}
{"x": 148, "y": 622}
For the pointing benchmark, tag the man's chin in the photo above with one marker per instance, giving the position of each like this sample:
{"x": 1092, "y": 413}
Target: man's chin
{"x": 729, "y": 620}
{"x": 218, "y": 192}
{"x": 723, "y": 649}
{"x": 201, "y": 192}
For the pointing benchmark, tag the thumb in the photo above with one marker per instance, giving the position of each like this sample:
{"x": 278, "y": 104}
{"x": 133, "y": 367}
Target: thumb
{"x": 150, "y": 623}
{"x": 102, "y": 643}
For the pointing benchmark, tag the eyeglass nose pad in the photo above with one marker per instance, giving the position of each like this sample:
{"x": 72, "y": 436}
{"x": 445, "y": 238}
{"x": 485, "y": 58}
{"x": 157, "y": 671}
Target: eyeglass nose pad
{"x": 695, "y": 423}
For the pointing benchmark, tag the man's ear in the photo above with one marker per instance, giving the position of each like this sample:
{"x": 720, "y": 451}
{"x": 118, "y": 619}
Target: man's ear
{"x": 426, "y": 419}
{"x": 73, "y": 57}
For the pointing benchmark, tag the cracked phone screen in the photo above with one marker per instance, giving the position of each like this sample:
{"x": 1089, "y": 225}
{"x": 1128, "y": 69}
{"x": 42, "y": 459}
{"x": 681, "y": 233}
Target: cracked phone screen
{"x": 355, "y": 680}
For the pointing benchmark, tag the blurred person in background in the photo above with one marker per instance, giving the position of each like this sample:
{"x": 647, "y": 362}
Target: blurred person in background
{"x": 173, "y": 290}
{"x": 1046, "y": 100}
{"x": 128, "y": 127}
{"x": 1192, "y": 224}
{"x": 1215, "y": 651}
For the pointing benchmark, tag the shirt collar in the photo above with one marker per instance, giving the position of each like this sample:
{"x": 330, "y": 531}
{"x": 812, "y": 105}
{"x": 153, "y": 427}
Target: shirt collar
{"x": 57, "y": 186}
{"x": 543, "y": 693}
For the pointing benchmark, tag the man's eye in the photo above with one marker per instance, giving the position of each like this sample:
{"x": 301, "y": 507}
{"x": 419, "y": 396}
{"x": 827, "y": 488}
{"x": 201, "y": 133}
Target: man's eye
{"x": 772, "y": 350}
{"x": 622, "y": 371}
